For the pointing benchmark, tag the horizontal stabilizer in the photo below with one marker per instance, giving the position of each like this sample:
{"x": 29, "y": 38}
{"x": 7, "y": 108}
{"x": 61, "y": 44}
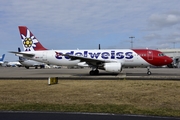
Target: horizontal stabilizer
{"x": 22, "y": 54}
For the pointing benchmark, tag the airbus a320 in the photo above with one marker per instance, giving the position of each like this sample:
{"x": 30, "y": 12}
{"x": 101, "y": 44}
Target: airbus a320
{"x": 110, "y": 60}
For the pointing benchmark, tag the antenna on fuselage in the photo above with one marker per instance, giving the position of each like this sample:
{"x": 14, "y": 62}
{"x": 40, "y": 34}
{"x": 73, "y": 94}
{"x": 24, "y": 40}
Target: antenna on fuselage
{"x": 99, "y": 46}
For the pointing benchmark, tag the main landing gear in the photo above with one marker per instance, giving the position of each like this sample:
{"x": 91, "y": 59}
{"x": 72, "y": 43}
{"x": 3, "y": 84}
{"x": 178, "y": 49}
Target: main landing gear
{"x": 94, "y": 72}
{"x": 148, "y": 70}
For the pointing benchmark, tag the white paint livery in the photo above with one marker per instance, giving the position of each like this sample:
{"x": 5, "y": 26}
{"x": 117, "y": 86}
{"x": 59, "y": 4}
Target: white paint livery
{"x": 105, "y": 59}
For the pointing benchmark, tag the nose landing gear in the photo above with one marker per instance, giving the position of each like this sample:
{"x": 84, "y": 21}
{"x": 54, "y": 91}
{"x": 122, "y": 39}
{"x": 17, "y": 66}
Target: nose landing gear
{"x": 148, "y": 71}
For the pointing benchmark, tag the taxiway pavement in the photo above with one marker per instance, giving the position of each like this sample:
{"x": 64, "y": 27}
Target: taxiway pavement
{"x": 64, "y": 73}
{"x": 23, "y": 115}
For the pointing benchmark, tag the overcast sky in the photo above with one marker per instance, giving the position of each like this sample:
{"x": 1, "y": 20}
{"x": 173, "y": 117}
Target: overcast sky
{"x": 83, "y": 24}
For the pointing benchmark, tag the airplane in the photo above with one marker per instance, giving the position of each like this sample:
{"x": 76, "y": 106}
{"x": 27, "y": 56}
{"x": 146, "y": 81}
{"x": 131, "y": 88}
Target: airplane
{"x": 110, "y": 60}
{"x": 2, "y": 59}
{"x": 30, "y": 63}
{"x": 14, "y": 64}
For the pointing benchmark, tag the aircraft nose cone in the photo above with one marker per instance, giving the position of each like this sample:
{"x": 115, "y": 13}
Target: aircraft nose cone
{"x": 168, "y": 60}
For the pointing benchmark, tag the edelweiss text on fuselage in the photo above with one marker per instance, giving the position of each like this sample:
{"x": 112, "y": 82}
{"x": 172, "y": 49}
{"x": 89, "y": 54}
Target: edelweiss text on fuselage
{"x": 97, "y": 55}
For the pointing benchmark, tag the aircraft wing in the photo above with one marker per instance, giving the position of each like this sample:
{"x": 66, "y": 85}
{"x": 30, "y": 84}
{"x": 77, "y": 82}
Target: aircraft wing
{"x": 23, "y": 54}
{"x": 89, "y": 61}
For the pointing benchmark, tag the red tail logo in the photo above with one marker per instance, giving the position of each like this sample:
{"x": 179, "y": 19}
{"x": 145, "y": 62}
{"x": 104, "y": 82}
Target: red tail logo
{"x": 29, "y": 41}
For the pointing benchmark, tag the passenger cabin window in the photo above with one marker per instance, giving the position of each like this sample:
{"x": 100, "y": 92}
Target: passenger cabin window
{"x": 141, "y": 55}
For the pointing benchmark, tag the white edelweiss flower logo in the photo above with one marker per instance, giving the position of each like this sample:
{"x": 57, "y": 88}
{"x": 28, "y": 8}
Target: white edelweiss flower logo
{"x": 29, "y": 41}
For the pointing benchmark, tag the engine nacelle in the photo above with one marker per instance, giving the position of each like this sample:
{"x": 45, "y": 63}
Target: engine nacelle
{"x": 113, "y": 67}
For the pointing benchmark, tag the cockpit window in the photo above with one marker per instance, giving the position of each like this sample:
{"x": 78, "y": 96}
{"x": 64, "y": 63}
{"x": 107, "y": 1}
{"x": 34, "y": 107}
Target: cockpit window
{"x": 161, "y": 54}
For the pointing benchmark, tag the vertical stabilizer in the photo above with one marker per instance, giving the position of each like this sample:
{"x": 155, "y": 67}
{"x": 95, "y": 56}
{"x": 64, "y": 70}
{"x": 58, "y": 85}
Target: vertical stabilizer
{"x": 2, "y": 57}
{"x": 21, "y": 58}
{"x": 29, "y": 41}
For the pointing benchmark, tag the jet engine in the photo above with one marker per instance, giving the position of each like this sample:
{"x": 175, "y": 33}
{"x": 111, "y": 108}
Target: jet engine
{"x": 113, "y": 67}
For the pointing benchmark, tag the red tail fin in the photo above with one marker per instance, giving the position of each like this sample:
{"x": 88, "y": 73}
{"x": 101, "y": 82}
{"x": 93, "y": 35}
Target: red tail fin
{"x": 29, "y": 41}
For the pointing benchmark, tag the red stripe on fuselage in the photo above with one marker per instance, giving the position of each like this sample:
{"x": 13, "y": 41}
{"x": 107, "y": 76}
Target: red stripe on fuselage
{"x": 153, "y": 57}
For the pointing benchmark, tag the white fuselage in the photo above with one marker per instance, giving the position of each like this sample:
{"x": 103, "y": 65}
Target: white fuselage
{"x": 126, "y": 57}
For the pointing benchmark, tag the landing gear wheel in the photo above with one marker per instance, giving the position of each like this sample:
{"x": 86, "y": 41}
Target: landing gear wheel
{"x": 36, "y": 67}
{"x": 26, "y": 67}
{"x": 94, "y": 72}
{"x": 149, "y": 72}
{"x": 91, "y": 72}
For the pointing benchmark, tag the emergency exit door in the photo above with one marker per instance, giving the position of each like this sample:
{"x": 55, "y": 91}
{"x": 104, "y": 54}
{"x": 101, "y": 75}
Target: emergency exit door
{"x": 149, "y": 55}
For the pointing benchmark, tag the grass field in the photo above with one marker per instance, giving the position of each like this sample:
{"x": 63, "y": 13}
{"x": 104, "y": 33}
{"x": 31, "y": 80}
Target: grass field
{"x": 161, "y": 98}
